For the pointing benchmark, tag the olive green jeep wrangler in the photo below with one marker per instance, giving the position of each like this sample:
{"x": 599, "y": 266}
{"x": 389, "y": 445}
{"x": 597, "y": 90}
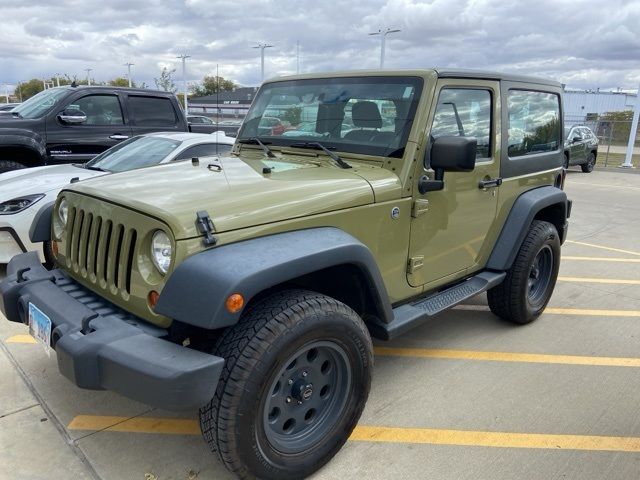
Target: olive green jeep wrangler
{"x": 249, "y": 286}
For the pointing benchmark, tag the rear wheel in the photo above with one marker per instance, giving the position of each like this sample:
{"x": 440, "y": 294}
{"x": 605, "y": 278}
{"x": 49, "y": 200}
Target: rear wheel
{"x": 9, "y": 165}
{"x": 296, "y": 378}
{"x": 591, "y": 163}
{"x": 527, "y": 288}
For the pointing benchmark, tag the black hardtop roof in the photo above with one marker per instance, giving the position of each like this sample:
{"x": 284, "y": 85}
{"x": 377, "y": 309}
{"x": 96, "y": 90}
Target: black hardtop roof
{"x": 488, "y": 75}
{"x": 110, "y": 88}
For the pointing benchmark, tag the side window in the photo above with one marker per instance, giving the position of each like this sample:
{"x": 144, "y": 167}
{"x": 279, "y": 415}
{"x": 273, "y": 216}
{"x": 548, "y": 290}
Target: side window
{"x": 99, "y": 109}
{"x": 534, "y": 122}
{"x": 195, "y": 120}
{"x": 464, "y": 112}
{"x": 204, "y": 150}
{"x": 152, "y": 111}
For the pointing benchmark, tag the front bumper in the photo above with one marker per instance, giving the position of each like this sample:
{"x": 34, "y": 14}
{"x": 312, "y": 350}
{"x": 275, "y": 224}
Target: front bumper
{"x": 99, "y": 346}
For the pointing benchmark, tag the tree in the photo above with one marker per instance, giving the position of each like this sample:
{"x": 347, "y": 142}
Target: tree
{"x": 29, "y": 88}
{"x": 165, "y": 82}
{"x": 120, "y": 82}
{"x": 211, "y": 85}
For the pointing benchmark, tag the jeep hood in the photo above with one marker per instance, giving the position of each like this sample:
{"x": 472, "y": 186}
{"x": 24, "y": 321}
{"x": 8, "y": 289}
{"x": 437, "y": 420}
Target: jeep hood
{"x": 240, "y": 192}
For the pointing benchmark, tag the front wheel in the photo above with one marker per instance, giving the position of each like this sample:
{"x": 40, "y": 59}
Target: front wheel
{"x": 527, "y": 288}
{"x": 296, "y": 378}
{"x": 591, "y": 163}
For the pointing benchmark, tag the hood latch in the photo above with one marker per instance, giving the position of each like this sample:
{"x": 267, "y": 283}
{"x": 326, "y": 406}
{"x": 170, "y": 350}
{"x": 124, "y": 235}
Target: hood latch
{"x": 205, "y": 227}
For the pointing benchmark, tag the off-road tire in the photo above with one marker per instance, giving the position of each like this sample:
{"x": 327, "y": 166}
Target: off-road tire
{"x": 590, "y": 164}
{"x": 511, "y": 299}
{"x": 9, "y": 165}
{"x": 255, "y": 351}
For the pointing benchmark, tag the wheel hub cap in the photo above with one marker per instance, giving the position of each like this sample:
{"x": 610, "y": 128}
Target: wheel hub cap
{"x": 306, "y": 397}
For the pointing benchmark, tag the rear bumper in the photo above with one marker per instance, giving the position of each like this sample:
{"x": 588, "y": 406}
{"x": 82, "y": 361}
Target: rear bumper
{"x": 99, "y": 346}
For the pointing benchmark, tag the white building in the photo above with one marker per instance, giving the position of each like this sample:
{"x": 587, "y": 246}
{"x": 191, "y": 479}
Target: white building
{"x": 578, "y": 104}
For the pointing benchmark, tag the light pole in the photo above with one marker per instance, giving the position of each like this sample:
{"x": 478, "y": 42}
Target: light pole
{"x": 383, "y": 40}
{"x": 632, "y": 135}
{"x": 262, "y": 46}
{"x": 184, "y": 57}
{"x": 298, "y": 57}
{"x": 88, "y": 70}
{"x": 128, "y": 65}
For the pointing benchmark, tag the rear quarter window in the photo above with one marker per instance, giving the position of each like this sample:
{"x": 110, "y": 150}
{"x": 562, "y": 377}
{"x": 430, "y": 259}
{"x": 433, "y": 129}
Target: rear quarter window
{"x": 152, "y": 111}
{"x": 532, "y": 133}
{"x": 534, "y": 122}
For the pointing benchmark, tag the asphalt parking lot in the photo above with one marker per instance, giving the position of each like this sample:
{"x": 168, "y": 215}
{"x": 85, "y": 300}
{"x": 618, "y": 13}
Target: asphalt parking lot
{"x": 465, "y": 396}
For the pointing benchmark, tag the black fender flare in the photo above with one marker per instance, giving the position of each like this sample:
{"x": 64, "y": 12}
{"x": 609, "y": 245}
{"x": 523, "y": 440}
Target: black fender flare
{"x": 20, "y": 137}
{"x": 196, "y": 291}
{"x": 523, "y": 212}
{"x": 40, "y": 230}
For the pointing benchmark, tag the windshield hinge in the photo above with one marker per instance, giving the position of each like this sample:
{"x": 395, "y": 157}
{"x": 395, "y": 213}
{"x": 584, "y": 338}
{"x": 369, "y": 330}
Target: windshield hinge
{"x": 205, "y": 227}
{"x": 420, "y": 206}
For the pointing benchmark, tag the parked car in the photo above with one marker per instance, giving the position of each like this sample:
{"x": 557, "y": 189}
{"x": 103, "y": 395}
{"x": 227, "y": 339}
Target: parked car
{"x": 201, "y": 124}
{"x": 24, "y": 192}
{"x": 5, "y": 107}
{"x": 251, "y": 288}
{"x": 581, "y": 148}
{"x": 74, "y": 124}
{"x": 230, "y": 127}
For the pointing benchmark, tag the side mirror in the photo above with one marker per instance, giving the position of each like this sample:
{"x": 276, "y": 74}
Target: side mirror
{"x": 449, "y": 154}
{"x": 72, "y": 116}
{"x": 575, "y": 139}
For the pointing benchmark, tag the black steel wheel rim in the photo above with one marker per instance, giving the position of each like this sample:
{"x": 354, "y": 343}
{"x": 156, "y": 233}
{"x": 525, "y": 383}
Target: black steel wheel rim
{"x": 306, "y": 397}
{"x": 591, "y": 162}
{"x": 540, "y": 275}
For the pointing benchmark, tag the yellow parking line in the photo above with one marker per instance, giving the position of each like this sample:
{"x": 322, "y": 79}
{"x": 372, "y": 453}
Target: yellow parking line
{"x": 604, "y": 247}
{"x": 602, "y": 259}
{"x": 21, "y": 339}
{"x": 565, "y": 311}
{"x": 507, "y": 357}
{"x": 495, "y": 439}
{"x": 364, "y": 433}
{"x": 176, "y": 426}
{"x": 618, "y": 281}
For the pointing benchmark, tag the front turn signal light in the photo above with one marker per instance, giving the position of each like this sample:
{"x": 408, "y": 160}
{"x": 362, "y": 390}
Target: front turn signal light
{"x": 234, "y": 303}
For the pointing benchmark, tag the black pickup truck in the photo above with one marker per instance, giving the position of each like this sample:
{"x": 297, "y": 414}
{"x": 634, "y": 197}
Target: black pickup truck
{"x": 74, "y": 124}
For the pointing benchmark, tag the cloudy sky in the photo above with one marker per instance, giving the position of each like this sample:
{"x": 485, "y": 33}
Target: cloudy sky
{"x": 583, "y": 43}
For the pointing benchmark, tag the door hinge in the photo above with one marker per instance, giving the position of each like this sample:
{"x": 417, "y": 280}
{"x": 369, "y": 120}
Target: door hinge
{"x": 415, "y": 263}
{"x": 420, "y": 206}
{"x": 205, "y": 227}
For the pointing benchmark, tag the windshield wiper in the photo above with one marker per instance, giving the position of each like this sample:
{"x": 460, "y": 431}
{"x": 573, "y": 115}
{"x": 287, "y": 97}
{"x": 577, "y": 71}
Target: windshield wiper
{"x": 257, "y": 141}
{"x": 318, "y": 146}
{"x": 97, "y": 169}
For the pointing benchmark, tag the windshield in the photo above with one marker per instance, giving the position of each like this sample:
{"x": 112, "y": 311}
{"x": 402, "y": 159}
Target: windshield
{"x": 137, "y": 152}
{"x": 367, "y": 115}
{"x": 40, "y": 104}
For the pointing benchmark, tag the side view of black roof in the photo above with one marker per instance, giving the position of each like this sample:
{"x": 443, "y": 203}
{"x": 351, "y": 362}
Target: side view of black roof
{"x": 486, "y": 75}
{"x": 111, "y": 89}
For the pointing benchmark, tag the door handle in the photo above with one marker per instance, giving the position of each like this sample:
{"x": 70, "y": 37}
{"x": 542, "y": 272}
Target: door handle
{"x": 493, "y": 182}
{"x": 117, "y": 136}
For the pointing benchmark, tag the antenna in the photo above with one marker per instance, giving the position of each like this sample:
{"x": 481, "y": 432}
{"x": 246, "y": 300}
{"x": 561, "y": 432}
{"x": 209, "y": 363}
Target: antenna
{"x": 217, "y": 103}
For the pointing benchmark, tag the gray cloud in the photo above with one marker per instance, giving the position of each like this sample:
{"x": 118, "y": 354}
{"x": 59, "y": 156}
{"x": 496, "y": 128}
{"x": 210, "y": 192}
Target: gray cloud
{"x": 584, "y": 43}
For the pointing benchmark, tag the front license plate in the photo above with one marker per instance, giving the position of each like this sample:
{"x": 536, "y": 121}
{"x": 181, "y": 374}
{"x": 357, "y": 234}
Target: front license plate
{"x": 39, "y": 326}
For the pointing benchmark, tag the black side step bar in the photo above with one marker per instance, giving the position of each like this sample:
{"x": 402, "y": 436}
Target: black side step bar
{"x": 410, "y": 315}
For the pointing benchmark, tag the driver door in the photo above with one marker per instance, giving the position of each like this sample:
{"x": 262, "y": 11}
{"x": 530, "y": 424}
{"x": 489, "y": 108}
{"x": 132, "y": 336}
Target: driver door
{"x": 451, "y": 229}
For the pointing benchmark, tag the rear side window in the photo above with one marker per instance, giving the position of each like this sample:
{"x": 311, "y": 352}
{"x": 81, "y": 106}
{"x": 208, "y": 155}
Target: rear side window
{"x": 152, "y": 111}
{"x": 534, "y": 122}
{"x": 464, "y": 112}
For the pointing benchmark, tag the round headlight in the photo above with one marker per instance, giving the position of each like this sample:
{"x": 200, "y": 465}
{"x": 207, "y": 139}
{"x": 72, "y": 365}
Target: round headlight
{"x": 63, "y": 212}
{"x": 161, "y": 251}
